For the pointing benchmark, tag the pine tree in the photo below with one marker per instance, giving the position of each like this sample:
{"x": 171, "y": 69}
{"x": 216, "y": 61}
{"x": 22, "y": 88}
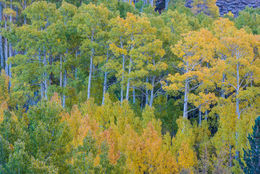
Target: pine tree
{"x": 252, "y": 156}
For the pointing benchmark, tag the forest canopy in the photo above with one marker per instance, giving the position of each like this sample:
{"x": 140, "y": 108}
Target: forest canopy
{"x": 98, "y": 86}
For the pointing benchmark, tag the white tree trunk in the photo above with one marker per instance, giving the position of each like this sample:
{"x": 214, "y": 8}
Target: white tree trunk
{"x": 64, "y": 86}
{"x": 122, "y": 81}
{"x": 133, "y": 94}
{"x": 186, "y": 93}
{"x": 237, "y": 93}
{"x": 41, "y": 84}
{"x": 128, "y": 80}
{"x": 24, "y": 7}
{"x": 152, "y": 92}
{"x": 146, "y": 93}
{"x": 45, "y": 75}
{"x": 90, "y": 67}
{"x": 90, "y": 74}
{"x": 6, "y": 48}
{"x": 237, "y": 105}
{"x": 10, "y": 47}
{"x": 76, "y": 69}
{"x": 200, "y": 115}
{"x": 61, "y": 71}
{"x": 1, "y": 43}
{"x": 105, "y": 82}
{"x": 185, "y": 105}
{"x": 166, "y": 4}
{"x": 151, "y": 2}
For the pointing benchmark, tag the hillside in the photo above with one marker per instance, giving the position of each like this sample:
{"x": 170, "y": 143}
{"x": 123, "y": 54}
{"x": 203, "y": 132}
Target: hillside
{"x": 98, "y": 86}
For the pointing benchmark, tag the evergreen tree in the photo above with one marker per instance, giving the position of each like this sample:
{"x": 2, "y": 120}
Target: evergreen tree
{"x": 252, "y": 156}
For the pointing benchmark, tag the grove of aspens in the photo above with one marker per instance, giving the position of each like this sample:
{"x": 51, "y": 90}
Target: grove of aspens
{"x": 128, "y": 86}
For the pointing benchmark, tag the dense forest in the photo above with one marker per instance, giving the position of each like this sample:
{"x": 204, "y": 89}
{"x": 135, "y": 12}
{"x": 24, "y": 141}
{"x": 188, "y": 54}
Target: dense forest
{"x": 110, "y": 86}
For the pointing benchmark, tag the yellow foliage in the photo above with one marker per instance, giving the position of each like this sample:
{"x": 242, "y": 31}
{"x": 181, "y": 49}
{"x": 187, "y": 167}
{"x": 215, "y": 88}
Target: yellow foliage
{"x": 4, "y": 83}
{"x": 3, "y": 107}
{"x": 183, "y": 144}
{"x": 55, "y": 99}
{"x": 186, "y": 157}
{"x": 212, "y": 8}
{"x": 146, "y": 153}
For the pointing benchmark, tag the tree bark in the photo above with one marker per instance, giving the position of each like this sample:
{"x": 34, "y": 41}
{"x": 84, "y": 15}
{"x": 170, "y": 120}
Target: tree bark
{"x": 128, "y": 80}
{"x": 166, "y": 4}
{"x": 185, "y": 105}
{"x": 105, "y": 82}
{"x": 24, "y": 7}
{"x": 45, "y": 75}
{"x": 76, "y": 69}
{"x": 122, "y": 81}
{"x": 10, "y": 46}
{"x": 61, "y": 71}
{"x": 146, "y": 93}
{"x": 200, "y": 115}
{"x": 41, "y": 84}
{"x": 152, "y": 92}
{"x": 6, "y": 48}
{"x": 90, "y": 66}
{"x": 133, "y": 94}
{"x": 1, "y": 43}
{"x": 237, "y": 92}
{"x": 64, "y": 86}
{"x": 151, "y": 2}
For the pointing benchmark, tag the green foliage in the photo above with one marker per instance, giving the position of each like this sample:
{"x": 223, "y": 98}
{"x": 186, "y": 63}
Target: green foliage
{"x": 250, "y": 162}
{"x": 250, "y": 17}
{"x": 99, "y": 86}
{"x": 89, "y": 158}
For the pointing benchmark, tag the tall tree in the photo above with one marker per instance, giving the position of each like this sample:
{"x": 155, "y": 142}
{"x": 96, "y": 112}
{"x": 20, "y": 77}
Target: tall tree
{"x": 90, "y": 20}
{"x": 194, "y": 50}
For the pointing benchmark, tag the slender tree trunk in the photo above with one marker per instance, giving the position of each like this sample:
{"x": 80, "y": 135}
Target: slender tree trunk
{"x": 64, "y": 86}
{"x": 185, "y": 105}
{"x": 237, "y": 104}
{"x": 146, "y": 93}
{"x": 76, "y": 69}
{"x": 24, "y": 18}
{"x": 237, "y": 93}
{"x": 167, "y": 96}
{"x": 122, "y": 81}
{"x": 128, "y": 80}
{"x": 10, "y": 46}
{"x": 200, "y": 115}
{"x": 1, "y": 43}
{"x": 105, "y": 82}
{"x": 90, "y": 66}
{"x": 90, "y": 73}
{"x": 45, "y": 75}
{"x": 206, "y": 91}
{"x": 166, "y": 4}
{"x": 104, "y": 87}
{"x": 222, "y": 90}
{"x": 133, "y": 94}
{"x": 61, "y": 71}
{"x": 151, "y": 2}
{"x": 41, "y": 84}
{"x": 6, "y": 49}
{"x": 61, "y": 78}
{"x": 152, "y": 92}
